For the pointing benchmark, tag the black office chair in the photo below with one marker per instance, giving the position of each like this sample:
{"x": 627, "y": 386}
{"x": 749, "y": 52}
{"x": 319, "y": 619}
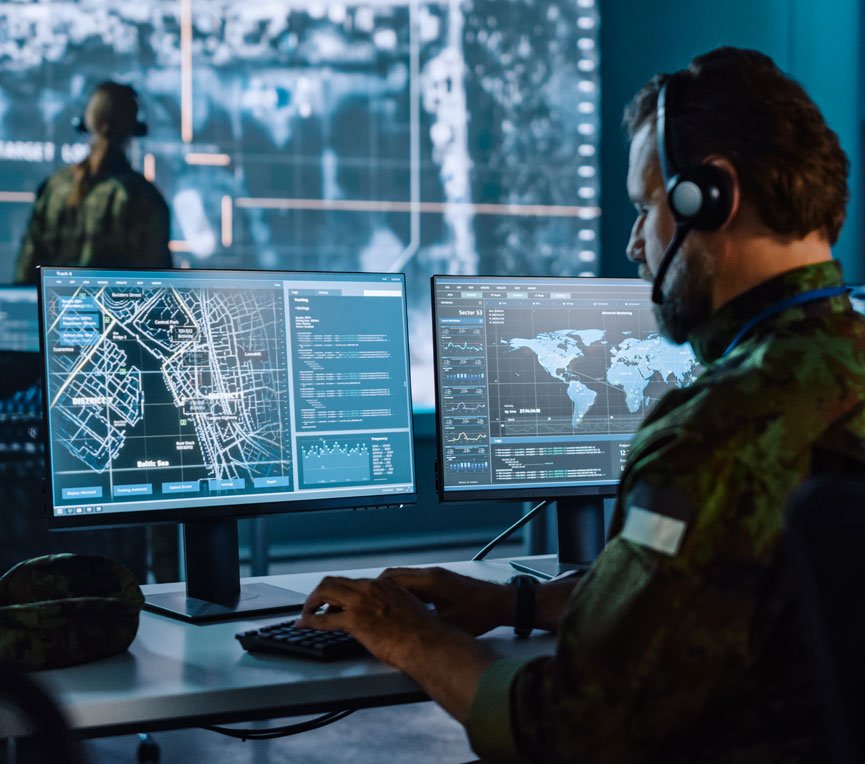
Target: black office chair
{"x": 32, "y": 729}
{"x": 826, "y": 540}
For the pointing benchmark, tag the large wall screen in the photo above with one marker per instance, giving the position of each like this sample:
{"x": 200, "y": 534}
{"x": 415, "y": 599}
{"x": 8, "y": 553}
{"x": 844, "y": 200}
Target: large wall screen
{"x": 398, "y": 135}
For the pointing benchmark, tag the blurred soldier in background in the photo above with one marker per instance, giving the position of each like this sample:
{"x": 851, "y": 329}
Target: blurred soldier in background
{"x": 102, "y": 213}
{"x": 99, "y": 212}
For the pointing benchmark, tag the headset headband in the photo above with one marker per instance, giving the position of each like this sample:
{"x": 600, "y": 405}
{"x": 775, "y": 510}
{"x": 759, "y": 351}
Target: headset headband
{"x": 665, "y": 157}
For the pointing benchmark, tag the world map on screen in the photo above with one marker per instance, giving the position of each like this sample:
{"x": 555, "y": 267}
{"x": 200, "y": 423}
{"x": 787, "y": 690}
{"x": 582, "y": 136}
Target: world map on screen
{"x": 628, "y": 366}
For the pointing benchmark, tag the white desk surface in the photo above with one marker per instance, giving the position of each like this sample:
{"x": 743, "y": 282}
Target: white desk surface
{"x": 178, "y": 675}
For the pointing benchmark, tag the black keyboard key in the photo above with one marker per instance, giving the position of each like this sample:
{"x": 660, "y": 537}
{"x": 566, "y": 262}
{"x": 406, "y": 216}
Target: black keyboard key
{"x": 288, "y": 639}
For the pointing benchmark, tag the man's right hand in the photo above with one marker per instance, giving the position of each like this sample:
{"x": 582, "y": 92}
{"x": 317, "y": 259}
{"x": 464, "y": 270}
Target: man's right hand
{"x": 470, "y": 604}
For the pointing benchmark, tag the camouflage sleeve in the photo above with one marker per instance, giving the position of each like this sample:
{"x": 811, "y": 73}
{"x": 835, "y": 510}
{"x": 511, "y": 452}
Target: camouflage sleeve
{"x": 489, "y": 726}
{"x": 662, "y": 626}
{"x": 640, "y": 649}
{"x": 29, "y": 252}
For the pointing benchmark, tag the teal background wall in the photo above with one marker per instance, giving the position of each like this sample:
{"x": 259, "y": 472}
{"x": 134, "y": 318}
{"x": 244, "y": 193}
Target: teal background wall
{"x": 817, "y": 42}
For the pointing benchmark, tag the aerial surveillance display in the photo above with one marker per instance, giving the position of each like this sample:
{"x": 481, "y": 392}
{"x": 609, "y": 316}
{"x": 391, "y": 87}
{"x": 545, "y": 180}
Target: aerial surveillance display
{"x": 452, "y": 137}
{"x": 200, "y": 384}
{"x": 215, "y": 355}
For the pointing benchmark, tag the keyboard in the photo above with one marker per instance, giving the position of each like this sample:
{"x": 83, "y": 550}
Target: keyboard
{"x": 289, "y": 639}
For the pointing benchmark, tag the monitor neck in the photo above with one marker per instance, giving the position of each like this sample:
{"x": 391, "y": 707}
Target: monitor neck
{"x": 212, "y": 560}
{"x": 213, "y": 588}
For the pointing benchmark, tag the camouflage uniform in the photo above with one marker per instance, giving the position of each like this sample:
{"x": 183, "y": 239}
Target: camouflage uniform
{"x": 123, "y": 221}
{"x": 682, "y": 642}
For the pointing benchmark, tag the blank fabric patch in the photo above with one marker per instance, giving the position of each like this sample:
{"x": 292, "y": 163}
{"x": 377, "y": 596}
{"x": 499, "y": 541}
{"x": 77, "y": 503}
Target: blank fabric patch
{"x": 657, "y": 518}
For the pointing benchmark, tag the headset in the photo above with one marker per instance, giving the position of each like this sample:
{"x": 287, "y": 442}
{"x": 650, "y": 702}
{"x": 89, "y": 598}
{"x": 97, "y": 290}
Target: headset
{"x": 139, "y": 126}
{"x": 699, "y": 197}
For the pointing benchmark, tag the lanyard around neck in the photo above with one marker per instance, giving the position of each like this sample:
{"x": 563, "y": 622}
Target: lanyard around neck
{"x": 796, "y": 299}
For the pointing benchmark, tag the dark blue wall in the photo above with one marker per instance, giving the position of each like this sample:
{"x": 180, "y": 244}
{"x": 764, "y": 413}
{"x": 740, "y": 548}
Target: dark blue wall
{"x": 815, "y": 41}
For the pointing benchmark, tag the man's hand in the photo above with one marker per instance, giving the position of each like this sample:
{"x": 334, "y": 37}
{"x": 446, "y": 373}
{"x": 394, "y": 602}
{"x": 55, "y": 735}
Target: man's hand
{"x": 396, "y": 627}
{"x": 382, "y": 615}
{"x": 472, "y": 605}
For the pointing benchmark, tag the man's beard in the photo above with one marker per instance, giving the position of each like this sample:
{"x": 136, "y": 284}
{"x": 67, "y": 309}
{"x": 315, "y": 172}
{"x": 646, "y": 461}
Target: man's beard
{"x": 687, "y": 293}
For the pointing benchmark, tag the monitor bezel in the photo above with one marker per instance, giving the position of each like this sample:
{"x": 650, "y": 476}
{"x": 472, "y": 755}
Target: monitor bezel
{"x": 495, "y": 493}
{"x": 242, "y": 510}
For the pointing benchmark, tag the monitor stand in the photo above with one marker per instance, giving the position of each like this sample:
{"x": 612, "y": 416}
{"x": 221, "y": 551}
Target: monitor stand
{"x": 580, "y": 522}
{"x": 213, "y": 590}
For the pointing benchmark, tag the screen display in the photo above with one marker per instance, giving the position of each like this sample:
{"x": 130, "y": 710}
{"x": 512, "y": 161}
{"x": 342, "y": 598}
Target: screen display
{"x": 19, "y": 319}
{"x": 541, "y": 383}
{"x": 384, "y": 136}
{"x": 168, "y": 390}
{"x": 326, "y": 134}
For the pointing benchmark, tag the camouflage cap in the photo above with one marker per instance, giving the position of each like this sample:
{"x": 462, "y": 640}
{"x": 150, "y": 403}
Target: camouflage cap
{"x": 64, "y": 609}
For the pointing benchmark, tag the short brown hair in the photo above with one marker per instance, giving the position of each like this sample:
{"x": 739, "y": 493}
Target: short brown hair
{"x": 737, "y": 104}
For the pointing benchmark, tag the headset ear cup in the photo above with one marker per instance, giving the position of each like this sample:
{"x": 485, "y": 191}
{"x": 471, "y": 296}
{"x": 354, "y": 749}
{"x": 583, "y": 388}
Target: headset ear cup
{"x": 717, "y": 197}
{"x": 701, "y": 197}
{"x": 684, "y": 197}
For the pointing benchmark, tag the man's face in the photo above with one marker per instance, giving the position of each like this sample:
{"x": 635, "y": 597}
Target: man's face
{"x": 654, "y": 225}
{"x": 687, "y": 286}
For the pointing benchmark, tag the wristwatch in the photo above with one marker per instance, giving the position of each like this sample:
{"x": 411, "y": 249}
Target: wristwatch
{"x": 524, "y": 620}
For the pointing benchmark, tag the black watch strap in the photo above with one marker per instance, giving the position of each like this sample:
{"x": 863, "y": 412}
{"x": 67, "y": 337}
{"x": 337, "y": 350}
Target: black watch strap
{"x": 524, "y": 619}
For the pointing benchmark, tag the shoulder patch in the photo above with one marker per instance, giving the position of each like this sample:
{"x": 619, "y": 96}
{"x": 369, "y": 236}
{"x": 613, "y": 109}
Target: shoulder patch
{"x": 657, "y": 518}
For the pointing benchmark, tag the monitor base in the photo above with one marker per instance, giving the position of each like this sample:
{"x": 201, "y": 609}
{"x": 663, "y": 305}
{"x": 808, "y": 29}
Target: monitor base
{"x": 547, "y": 567}
{"x": 254, "y": 600}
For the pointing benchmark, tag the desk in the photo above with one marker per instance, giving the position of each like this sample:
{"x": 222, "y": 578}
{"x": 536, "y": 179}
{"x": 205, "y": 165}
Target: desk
{"x": 178, "y": 675}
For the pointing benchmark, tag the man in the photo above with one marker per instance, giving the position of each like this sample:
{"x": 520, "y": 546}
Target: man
{"x": 681, "y": 644}
{"x": 99, "y": 212}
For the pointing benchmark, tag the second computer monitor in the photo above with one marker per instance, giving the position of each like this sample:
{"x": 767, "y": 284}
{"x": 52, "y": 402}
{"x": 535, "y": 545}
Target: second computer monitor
{"x": 542, "y": 382}
{"x": 19, "y": 320}
{"x": 19, "y": 344}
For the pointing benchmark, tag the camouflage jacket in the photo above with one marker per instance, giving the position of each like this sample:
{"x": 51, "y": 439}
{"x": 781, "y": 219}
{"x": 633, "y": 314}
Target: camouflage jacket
{"x": 682, "y": 642}
{"x": 123, "y": 221}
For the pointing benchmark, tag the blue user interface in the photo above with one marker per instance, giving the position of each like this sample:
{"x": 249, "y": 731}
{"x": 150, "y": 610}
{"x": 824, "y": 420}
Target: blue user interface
{"x": 541, "y": 383}
{"x": 19, "y": 319}
{"x": 184, "y": 389}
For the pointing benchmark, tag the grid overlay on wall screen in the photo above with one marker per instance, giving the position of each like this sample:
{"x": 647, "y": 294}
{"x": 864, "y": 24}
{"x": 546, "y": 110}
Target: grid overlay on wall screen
{"x": 427, "y": 137}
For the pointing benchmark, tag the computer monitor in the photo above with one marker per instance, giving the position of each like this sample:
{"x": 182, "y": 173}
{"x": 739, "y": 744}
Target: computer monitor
{"x": 19, "y": 320}
{"x": 541, "y": 383}
{"x": 204, "y": 396}
{"x": 19, "y": 338}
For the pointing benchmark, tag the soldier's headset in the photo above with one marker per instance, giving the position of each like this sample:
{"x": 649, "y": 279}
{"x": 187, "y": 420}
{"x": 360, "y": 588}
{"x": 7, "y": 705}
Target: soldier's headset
{"x": 139, "y": 126}
{"x": 700, "y": 197}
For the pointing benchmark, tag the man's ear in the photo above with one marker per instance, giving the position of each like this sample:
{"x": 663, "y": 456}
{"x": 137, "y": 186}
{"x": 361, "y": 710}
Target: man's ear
{"x": 727, "y": 167}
